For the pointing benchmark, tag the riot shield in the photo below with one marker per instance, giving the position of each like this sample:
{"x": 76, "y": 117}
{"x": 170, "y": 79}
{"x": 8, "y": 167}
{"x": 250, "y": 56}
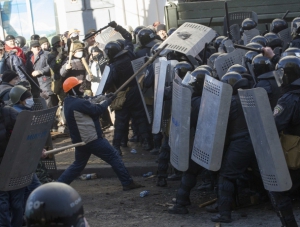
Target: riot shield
{"x": 224, "y": 63}
{"x": 249, "y": 34}
{"x": 189, "y": 39}
{"x": 285, "y": 35}
{"x": 212, "y": 124}
{"x": 179, "y": 139}
{"x": 106, "y": 36}
{"x": 235, "y": 32}
{"x": 49, "y": 162}
{"x": 103, "y": 80}
{"x": 158, "y": 105}
{"x": 265, "y": 140}
{"x": 24, "y": 148}
{"x": 136, "y": 65}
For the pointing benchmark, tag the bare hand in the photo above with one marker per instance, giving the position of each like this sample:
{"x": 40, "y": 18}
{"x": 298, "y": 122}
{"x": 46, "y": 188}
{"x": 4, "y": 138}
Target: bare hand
{"x": 268, "y": 52}
{"x": 43, "y": 156}
{"x": 44, "y": 95}
{"x": 68, "y": 66}
{"x": 35, "y": 73}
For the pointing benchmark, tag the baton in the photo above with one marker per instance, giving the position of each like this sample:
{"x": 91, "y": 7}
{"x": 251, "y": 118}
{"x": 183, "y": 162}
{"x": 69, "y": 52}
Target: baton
{"x": 210, "y": 22}
{"x": 248, "y": 48}
{"x": 60, "y": 149}
{"x": 29, "y": 77}
{"x": 286, "y": 13}
{"x": 227, "y": 22}
{"x": 204, "y": 53}
{"x": 94, "y": 33}
{"x": 140, "y": 70}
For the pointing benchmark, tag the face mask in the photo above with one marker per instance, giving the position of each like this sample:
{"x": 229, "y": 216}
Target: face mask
{"x": 78, "y": 54}
{"x": 66, "y": 48}
{"x": 29, "y": 102}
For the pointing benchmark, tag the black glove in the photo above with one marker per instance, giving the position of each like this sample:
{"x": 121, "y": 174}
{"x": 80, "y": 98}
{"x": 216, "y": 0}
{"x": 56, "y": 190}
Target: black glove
{"x": 111, "y": 96}
{"x": 113, "y": 24}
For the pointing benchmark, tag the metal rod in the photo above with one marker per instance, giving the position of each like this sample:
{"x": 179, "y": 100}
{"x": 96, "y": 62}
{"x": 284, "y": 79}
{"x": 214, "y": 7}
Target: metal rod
{"x": 210, "y": 22}
{"x": 94, "y": 33}
{"x": 247, "y": 48}
{"x": 29, "y": 77}
{"x": 140, "y": 70}
{"x": 286, "y": 13}
{"x": 227, "y": 21}
{"x": 204, "y": 53}
{"x": 60, "y": 149}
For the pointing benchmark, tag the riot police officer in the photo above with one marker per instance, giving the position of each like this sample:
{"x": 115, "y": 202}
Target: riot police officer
{"x": 129, "y": 102}
{"x": 239, "y": 154}
{"x": 189, "y": 178}
{"x": 287, "y": 119}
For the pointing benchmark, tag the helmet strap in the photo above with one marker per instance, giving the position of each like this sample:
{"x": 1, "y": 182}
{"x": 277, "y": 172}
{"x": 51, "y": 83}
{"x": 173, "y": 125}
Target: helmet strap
{"x": 74, "y": 92}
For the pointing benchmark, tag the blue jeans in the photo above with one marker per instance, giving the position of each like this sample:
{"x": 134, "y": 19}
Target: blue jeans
{"x": 102, "y": 149}
{"x": 34, "y": 184}
{"x": 11, "y": 208}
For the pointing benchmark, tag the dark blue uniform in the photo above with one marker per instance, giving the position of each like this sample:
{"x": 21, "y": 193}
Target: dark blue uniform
{"x": 237, "y": 158}
{"x": 120, "y": 71}
{"x": 270, "y": 85}
{"x": 287, "y": 119}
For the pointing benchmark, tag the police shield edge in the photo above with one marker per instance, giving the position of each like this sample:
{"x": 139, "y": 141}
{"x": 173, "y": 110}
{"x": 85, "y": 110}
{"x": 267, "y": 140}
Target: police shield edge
{"x": 212, "y": 124}
{"x": 268, "y": 151}
{"x": 26, "y": 143}
{"x": 189, "y": 39}
{"x": 103, "y": 80}
{"x": 159, "y": 99}
{"x": 180, "y": 126}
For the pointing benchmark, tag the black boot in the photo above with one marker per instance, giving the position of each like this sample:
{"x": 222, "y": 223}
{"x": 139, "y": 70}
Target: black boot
{"x": 147, "y": 144}
{"x": 213, "y": 208}
{"x": 178, "y": 209}
{"x": 224, "y": 218}
{"x": 134, "y": 139}
{"x": 161, "y": 182}
{"x": 154, "y": 151}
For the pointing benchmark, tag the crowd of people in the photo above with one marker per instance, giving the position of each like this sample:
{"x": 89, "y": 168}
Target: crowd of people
{"x": 68, "y": 73}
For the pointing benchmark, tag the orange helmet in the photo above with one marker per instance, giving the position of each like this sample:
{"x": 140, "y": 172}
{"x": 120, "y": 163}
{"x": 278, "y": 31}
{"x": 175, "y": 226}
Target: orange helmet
{"x": 70, "y": 83}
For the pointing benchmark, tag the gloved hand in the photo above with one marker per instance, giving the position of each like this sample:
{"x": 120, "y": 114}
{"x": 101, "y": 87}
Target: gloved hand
{"x": 111, "y": 96}
{"x": 113, "y": 24}
{"x": 98, "y": 99}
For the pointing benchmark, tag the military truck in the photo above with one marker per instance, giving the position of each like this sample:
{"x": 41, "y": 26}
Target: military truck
{"x": 202, "y": 12}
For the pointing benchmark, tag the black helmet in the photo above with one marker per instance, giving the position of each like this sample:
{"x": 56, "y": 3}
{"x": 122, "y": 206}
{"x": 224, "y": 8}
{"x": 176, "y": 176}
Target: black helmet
{"x": 291, "y": 51}
{"x": 261, "y": 65}
{"x": 111, "y": 49}
{"x": 278, "y": 25}
{"x": 260, "y": 40}
{"x": 136, "y": 32}
{"x": 296, "y": 26}
{"x": 170, "y": 31}
{"x": 181, "y": 68}
{"x": 254, "y": 45}
{"x": 290, "y": 66}
{"x": 248, "y": 24}
{"x": 212, "y": 58}
{"x": 249, "y": 56}
{"x": 35, "y": 37}
{"x": 20, "y": 41}
{"x": 146, "y": 36}
{"x": 196, "y": 80}
{"x": 121, "y": 42}
{"x": 222, "y": 46}
{"x": 175, "y": 55}
{"x": 207, "y": 67}
{"x": 238, "y": 69}
{"x": 54, "y": 204}
{"x": 218, "y": 42}
{"x": 235, "y": 80}
{"x": 274, "y": 40}
{"x": 154, "y": 49}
